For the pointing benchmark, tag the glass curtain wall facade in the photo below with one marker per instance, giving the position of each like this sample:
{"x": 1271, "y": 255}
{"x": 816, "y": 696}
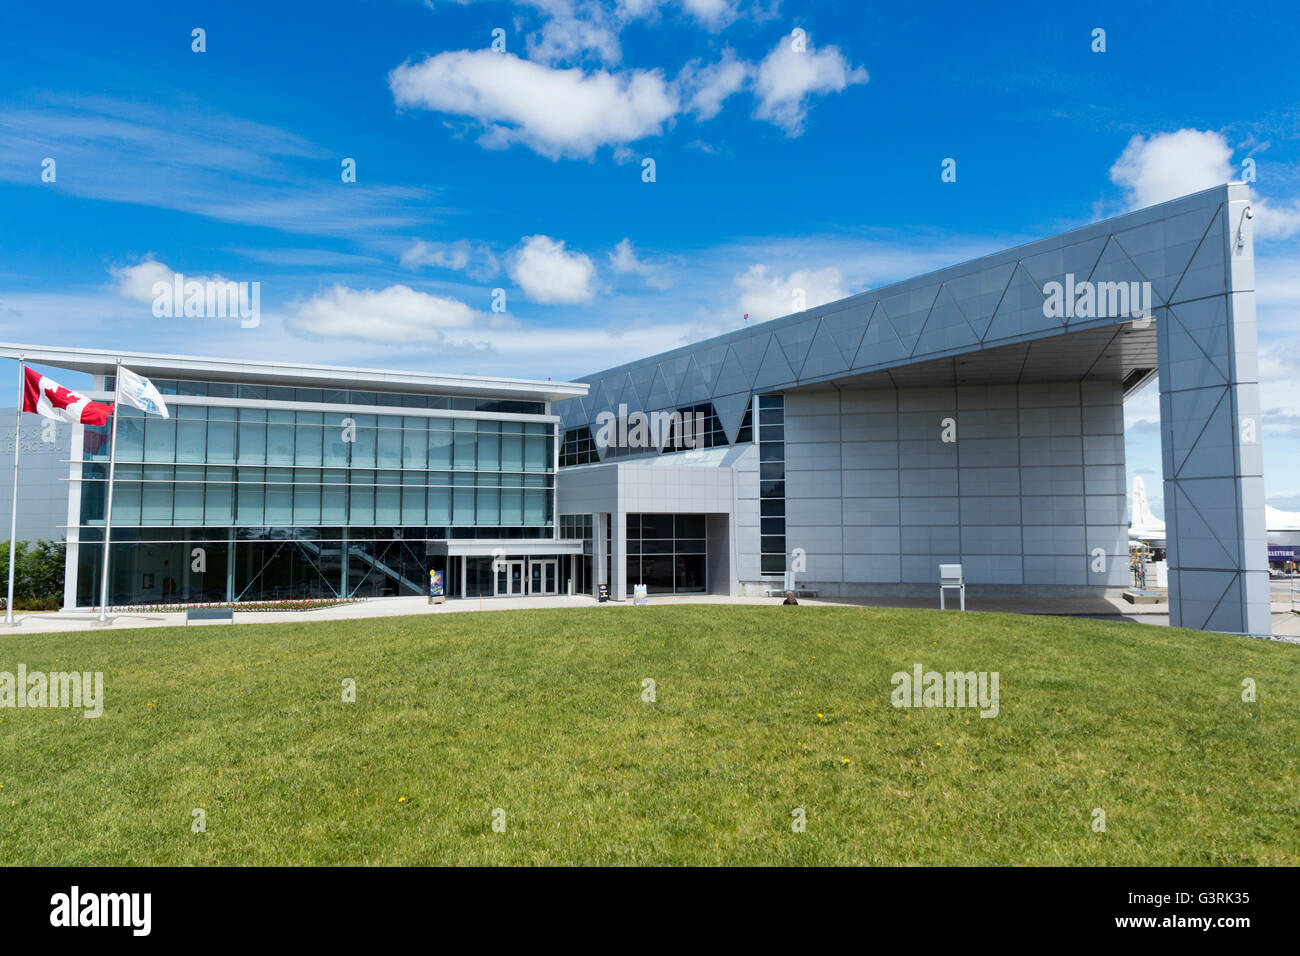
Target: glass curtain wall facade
{"x": 667, "y": 553}
{"x": 771, "y": 484}
{"x": 226, "y": 502}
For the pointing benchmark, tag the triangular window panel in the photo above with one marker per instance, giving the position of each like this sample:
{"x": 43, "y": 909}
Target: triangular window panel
{"x": 659, "y": 396}
{"x": 575, "y": 413}
{"x": 630, "y": 398}
{"x": 608, "y": 393}
{"x": 696, "y": 387}
{"x": 674, "y": 370}
{"x": 641, "y": 377}
{"x": 710, "y": 361}
{"x": 730, "y": 410}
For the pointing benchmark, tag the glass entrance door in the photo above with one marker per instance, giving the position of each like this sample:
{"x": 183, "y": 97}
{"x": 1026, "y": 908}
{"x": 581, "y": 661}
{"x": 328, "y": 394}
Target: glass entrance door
{"x": 510, "y": 579}
{"x": 544, "y": 576}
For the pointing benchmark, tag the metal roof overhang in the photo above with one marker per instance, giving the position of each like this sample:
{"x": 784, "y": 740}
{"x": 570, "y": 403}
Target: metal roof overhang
{"x": 251, "y": 371}
{"x": 1118, "y": 353}
{"x": 489, "y": 547}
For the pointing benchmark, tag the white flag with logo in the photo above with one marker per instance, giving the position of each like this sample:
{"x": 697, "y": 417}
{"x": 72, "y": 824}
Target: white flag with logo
{"x": 139, "y": 391}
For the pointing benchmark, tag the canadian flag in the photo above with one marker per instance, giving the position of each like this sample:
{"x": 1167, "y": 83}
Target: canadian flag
{"x": 44, "y": 396}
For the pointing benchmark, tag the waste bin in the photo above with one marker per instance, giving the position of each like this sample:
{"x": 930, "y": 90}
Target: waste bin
{"x": 603, "y": 594}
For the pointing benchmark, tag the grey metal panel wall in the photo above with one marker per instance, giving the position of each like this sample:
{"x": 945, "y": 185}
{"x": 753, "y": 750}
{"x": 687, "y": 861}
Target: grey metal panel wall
{"x": 1210, "y": 429}
{"x": 1030, "y": 489}
{"x": 1069, "y": 446}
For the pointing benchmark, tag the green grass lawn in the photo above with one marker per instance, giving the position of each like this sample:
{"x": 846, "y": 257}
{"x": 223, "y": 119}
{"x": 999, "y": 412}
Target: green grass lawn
{"x": 759, "y": 710}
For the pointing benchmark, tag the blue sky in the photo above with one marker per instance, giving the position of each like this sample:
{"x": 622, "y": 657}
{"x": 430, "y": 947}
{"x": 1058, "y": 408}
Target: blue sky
{"x": 523, "y": 170}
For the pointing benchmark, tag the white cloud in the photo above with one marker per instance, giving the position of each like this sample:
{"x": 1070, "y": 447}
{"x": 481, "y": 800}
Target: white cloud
{"x": 788, "y": 78}
{"x": 190, "y": 157}
{"x": 548, "y": 273}
{"x": 572, "y": 31}
{"x": 624, "y": 261}
{"x": 766, "y": 295}
{"x": 554, "y": 112}
{"x": 707, "y": 87}
{"x": 1165, "y": 166}
{"x": 397, "y": 314}
{"x": 1169, "y": 165}
{"x": 713, "y": 14}
{"x": 473, "y": 258}
{"x": 1275, "y": 220}
{"x": 137, "y": 281}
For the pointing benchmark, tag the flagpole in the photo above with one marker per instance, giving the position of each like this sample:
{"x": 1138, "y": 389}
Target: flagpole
{"x": 13, "y": 519}
{"x": 108, "y": 508}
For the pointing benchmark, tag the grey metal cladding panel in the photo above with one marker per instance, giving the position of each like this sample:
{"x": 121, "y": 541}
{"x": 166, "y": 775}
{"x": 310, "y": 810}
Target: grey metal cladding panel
{"x": 1075, "y": 259}
{"x": 775, "y": 371}
{"x": 1053, "y": 510}
{"x": 1190, "y": 412}
{"x": 1197, "y": 350}
{"x": 876, "y": 568}
{"x": 946, "y": 329}
{"x": 927, "y": 539}
{"x": 990, "y": 510}
{"x": 732, "y": 376}
{"x": 1161, "y": 250}
{"x": 977, "y": 287}
{"x": 879, "y": 343}
{"x": 795, "y": 341}
{"x": 823, "y": 357}
{"x": 977, "y": 294}
{"x": 1206, "y": 274}
{"x": 872, "y": 539}
{"x": 906, "y": 311}
{"x": 984, "y": 397}
{"x": 1021, "y": 311}
{"x": 862, "y": 512}
{"x": 1207, "y": 597}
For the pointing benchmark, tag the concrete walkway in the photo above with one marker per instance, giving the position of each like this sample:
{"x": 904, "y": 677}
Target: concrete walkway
{"x": 1286, "y": 625}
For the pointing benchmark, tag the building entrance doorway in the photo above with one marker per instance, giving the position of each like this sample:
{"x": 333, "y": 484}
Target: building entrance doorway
{"x": 544, "y": 576}
{"x": 509, "y": 579}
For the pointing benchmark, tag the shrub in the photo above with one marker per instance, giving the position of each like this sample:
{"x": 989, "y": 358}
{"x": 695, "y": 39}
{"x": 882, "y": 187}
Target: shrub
{"x": 38, "y": 574}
